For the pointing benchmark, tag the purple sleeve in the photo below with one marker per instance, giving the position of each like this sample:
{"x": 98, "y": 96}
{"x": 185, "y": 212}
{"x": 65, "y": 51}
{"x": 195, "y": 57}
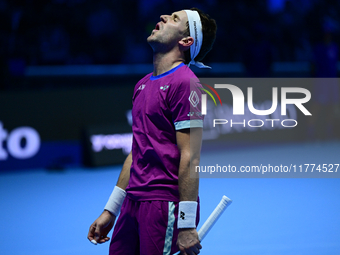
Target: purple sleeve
{"x": 185, "y": 104}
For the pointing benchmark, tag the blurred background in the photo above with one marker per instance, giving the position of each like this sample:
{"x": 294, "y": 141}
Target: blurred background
{"x": 85, "y": 32}
{"x": 68, "y": 68}
{"x": 67, "y": 73}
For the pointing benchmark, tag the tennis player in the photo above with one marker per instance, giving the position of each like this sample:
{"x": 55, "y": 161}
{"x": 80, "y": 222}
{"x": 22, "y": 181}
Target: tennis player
{"x": 155, "y": 194}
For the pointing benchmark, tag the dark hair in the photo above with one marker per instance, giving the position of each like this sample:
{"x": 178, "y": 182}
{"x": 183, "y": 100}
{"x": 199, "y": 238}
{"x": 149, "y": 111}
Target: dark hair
{"x": 209, "y": 28}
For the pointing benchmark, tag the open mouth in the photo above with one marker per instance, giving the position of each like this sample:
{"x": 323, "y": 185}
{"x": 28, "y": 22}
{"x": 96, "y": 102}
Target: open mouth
{"x": 157, "y": 26}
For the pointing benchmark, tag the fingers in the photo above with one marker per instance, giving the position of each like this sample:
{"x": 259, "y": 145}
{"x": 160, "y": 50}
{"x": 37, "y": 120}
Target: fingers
{"x": 90, "y": 235}
{"x": 195, "y": 250}
{"x": 99, "y": 236}
{"x": 191, "y": 250}
{"x": 188, "y": 242}
{"x": 96, "y": 235}
{"x": 103, "y": 239}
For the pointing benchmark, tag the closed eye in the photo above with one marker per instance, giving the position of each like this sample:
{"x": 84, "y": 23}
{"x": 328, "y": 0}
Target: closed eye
{"x": 176, "y": 18}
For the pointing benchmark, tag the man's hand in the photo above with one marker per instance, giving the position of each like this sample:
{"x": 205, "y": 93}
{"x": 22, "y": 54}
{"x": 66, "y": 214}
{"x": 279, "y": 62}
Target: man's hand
{"x": 101, "y": 227}
{"x": 188, "y": 242}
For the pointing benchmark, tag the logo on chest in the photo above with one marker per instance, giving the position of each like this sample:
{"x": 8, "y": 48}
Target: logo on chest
{"x": 141, "y": 87}
{"x": 164, "y": 88}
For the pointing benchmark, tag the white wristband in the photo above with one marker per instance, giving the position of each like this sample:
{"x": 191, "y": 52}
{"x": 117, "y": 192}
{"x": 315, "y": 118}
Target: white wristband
{"x": 187, "y": 214}
{"x": 115, "y": 201}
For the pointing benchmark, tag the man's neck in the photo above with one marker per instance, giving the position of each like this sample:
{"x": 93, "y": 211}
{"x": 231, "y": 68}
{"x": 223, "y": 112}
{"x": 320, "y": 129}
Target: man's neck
{"x": 163, "y": 62}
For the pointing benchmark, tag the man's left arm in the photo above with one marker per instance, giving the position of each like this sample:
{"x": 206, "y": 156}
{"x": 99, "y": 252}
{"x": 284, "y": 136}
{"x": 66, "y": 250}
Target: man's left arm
{"x": 189, "y": 143}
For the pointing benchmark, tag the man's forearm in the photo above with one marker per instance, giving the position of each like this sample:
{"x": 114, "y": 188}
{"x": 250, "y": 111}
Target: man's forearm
{"x": 188, "y": 185}
{"x": 189, "y": 144}
{"x": 124, "y": 176}
{"x": 118, "y": 194}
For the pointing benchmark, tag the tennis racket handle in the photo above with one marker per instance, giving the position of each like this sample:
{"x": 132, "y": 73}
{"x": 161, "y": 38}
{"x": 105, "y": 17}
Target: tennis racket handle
{"x": 209, "y": 223}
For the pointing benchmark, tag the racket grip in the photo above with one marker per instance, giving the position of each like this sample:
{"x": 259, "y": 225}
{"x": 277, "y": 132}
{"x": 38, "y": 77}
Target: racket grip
{"x": 208, "y": 224}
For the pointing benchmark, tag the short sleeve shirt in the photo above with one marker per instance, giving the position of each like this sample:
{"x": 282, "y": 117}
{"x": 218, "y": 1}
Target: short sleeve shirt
{"x": 162, "y": 105}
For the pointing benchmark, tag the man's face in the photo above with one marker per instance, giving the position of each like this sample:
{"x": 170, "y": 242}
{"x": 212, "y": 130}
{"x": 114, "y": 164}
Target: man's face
{"x": 169, "y": 31}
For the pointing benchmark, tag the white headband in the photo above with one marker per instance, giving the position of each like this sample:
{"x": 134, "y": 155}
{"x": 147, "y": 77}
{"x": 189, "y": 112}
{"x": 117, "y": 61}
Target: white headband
{"x": 195, "y": 27}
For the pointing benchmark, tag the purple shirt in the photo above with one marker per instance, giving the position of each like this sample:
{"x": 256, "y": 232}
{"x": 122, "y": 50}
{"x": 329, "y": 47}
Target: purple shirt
{"x": 162, "y": 105}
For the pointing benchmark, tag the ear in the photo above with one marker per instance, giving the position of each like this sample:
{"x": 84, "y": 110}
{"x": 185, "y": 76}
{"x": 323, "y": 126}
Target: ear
{"x": 186, "y": 42}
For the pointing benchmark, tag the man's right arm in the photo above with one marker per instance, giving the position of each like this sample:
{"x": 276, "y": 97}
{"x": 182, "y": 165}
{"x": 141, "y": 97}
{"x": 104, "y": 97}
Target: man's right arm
{"x": 102, "y": 226}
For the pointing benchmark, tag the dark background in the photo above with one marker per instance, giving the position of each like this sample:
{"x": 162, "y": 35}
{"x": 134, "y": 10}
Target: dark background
{"x": 66, "y": 66}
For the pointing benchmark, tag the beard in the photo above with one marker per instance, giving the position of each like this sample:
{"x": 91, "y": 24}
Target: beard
{"x": 161, "y": 41}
